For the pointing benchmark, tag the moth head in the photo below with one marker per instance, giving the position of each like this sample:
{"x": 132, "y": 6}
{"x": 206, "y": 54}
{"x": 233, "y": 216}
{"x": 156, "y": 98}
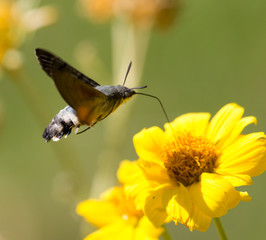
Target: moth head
{"x": 128, "y": 93}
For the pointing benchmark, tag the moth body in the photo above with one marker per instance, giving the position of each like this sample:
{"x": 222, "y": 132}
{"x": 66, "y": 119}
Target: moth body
{"x": 61, "y": 124}
{"x": 116, "y": 95}
{"x": 88, "y": 102}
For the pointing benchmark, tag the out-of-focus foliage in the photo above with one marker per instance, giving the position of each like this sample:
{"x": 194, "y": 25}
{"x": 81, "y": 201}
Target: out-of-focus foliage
{"x": 17, "y": 20}
{"x": 138, "y": 12}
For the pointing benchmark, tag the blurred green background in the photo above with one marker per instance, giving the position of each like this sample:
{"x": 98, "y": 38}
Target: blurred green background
{"x": 214, "y": 53}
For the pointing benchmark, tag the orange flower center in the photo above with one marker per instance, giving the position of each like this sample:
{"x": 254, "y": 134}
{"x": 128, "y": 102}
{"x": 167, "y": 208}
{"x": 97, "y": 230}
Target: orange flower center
{"x": 187, "y": 157}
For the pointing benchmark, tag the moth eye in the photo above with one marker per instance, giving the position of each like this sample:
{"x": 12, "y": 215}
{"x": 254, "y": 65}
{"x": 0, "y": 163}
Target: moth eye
{"x": 126, "y": 95}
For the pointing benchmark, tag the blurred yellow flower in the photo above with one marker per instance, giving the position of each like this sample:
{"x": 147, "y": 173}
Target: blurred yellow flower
{"x": 117, "y": 218}
{"x": 16, "y": 21}
{"x": 139, "y": 12}
{"x": 188, "y": 173}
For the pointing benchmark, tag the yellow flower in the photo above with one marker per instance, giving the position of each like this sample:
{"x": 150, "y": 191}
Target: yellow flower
{"x": 117, "y": 218}
{"x": 139, "y": 12}
{"x": 16, "y": 21}
{"x": 188, "y": 173}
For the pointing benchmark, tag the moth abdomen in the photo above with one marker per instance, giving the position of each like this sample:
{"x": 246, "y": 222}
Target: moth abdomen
{"x": 61, "y": 124}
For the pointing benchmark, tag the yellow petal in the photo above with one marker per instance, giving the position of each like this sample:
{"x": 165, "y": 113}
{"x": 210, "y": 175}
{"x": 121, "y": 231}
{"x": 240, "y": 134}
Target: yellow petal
{"x": 128, "y": 171}
{"x": 119, "y": 230}
{"x": 224, "y": 121}
{"x": 238, "y": 179}
{"x": 236, "y": 132}
{"x": 246, "y": 156}
{"x": 194, "y": 123}
{"x": 123, "y": 204}
{"x": 179, "y": 207}
{"x": 154, "y": 171}
{"x": 98, "y": 213}
{"x": 198, "y": 220}
{"x": 116, "y": 193}
{"x": 149, "y": 144}
{"x": 146, "y": 230}
{"x": 135, "y": 184}
{"x": 245, "y": 197}
{"x": 156, "y": 203}
{"x": 214, "y": 195}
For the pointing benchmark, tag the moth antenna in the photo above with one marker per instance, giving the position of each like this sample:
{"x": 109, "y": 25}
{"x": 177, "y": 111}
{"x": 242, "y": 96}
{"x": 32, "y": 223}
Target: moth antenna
{"x": 139, "y": 87}
{"x": 158, "y": 99}
{"x": 128, "y": 69}
{"x": 84, "y": 130}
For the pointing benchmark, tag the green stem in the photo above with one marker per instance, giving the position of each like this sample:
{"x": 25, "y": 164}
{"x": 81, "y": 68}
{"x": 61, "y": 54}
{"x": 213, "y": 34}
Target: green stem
{"x": 166, "y": 235}
{"x": 220, "y": 228}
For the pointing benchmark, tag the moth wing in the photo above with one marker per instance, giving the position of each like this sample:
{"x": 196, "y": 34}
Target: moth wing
{"x": 76, "y": 89}
{"x": 51, "y": 63}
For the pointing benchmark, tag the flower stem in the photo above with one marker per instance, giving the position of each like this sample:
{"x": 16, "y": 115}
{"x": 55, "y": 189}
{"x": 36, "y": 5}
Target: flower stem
{"x": 220, "y": 228}
{"x": 166, "y": 235}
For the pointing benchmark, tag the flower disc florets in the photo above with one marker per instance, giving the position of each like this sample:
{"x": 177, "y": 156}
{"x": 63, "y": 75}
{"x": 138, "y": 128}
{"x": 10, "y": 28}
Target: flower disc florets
{"x": 186, "y": 157}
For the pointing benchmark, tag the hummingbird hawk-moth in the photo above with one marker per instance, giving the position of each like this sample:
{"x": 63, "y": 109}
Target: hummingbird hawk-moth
{"x": 89, "y": 102}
